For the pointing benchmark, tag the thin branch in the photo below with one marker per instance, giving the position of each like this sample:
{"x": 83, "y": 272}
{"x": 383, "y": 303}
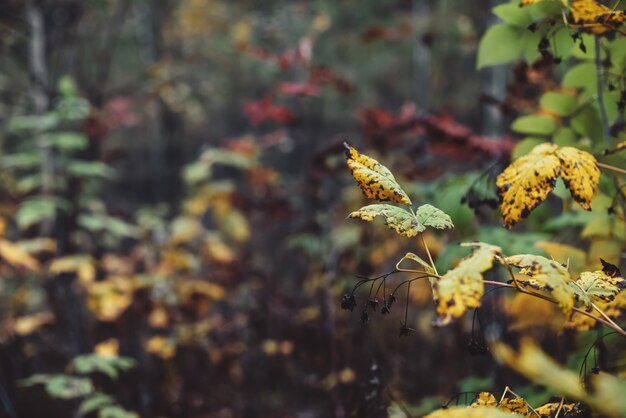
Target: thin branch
{"x": 603, "y": 321}
{"x": 430, "y": 259}
{"x": 611, "y": 167}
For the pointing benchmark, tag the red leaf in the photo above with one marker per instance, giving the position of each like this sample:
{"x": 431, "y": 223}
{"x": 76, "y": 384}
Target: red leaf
{"x": 264, "y": 109}
{"x": 299, "y": 89}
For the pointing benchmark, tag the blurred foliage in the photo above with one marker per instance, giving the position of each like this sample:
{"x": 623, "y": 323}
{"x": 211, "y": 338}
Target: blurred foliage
{"x": 173, "y": 195}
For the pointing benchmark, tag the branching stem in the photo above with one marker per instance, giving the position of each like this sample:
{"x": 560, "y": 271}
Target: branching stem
{"x": 601, "y": 320}
{"x": 430, "y": 259}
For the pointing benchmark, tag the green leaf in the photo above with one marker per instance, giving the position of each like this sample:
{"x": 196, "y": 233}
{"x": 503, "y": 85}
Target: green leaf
{"x": 428, "y": 215}
{"x": 95, "y": 402}
{"x": 91, "y": 363}
{"x": 68, "y": 141}
{"x": 38, "y": 209}
{"x": 560, "y": 103}
{"x": 116, "y": 411}
{"x": 534, "y": 125}
{"x": 398, "y": 219}
{"x": 525, "y": 146}
{"x": 588, "y": 123}
{"x": 581, "y": 76}
{"x": 68, "y": 387}
{"x": 501, "y": 44}
{"x": 566, "y": 137}
{"x": 21, "y": 160}
{"x": 514, "y": 15}
{"x": 90, "y": 169}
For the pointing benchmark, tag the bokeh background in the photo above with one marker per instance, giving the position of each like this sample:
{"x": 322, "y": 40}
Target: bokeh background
{"x": 173, "y": 198}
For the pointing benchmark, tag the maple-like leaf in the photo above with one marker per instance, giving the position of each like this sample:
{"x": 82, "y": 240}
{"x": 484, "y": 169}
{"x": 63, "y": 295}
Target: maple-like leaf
{"x": 485, "y": 399}
{"x": 547, "y": 275}
{"x": 374, "y": 179}
{"x": 598, "y": 286}
{"x": 526, "y": 182}
{"x": 398, "y": 219}
{"x": 404, "y": 222}
{"x": 462, "y": 287}
{"x": 428, "y": 215}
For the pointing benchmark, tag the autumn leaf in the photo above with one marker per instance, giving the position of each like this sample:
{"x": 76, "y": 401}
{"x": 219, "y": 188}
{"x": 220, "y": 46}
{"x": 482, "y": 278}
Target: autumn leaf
{"x": 579, "y": 173}
{"x": 475, "y": 412}
{"x": 547, "y": 275}
{"x": 595, "y": 17}
{"x": 402, "y": 221}
{"x": 462, "y": 287}
{"x": 527, "y": 181}
{"x": 550, "y": 409}
{"x": 26, "y": 325}
{"x": 484, "y": 399}
{"x": 82, "y": 265}
{"x": 535, "y": 365}
{"x": 598, "y": 286}
{"x": 374, "y": 179}
{"x": 16, "y": 256}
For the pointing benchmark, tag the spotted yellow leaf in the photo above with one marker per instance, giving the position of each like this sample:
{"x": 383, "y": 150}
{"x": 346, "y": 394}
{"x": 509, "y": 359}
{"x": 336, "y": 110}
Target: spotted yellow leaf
{"x": 527, "y": 181}
{"x": 517, "y": 405}
{"x": 579, "y": 173}
{"x": 547, "y": 275}
{"x": 595, "y": 17}
{"x": 374, "y": 179}
{"x": 551, "y": 409}
{"x": 612, "y": 309}
{"x": 398, "y": 219}
{"x": 598, "y": 286}
{"x": 462, "y": 287}
{"x": 484, "y": 399}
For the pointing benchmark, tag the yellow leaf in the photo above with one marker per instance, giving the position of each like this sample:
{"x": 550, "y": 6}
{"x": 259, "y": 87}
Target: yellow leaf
{"x": 82, "y": 265}
{"x": 536, "y": 366}
{"x": 462, "y": 287}
{"x": 374, "y": 179}
{"x": 472, "y": 412}
{"x": 26, "y": 325}
{"x": 595, "y": 17}
{"x": 579, "y": 173}
{"x": 528, "y": 311}
{"x": 547, "y": 275}
{"x": 16, "y": 256}
{"x": 485, "y": 399}
{"x": 107, "y": 299}
{"x": 596, "y": 286}
{"x": 527, "y": 181}
{"x": 161, "y": 346}
{"x": 517, "y": 405}
{"x": 550, "y": 409}
{"x": 574, "y": 258}
{"x": 108, "y": 348}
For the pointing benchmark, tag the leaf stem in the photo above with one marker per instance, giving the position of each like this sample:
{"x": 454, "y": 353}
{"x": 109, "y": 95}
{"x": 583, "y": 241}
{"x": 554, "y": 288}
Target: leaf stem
{"x": 430, "y": 259}
{"x": 611, "y": 167}
{"x": 603, "y": 321}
